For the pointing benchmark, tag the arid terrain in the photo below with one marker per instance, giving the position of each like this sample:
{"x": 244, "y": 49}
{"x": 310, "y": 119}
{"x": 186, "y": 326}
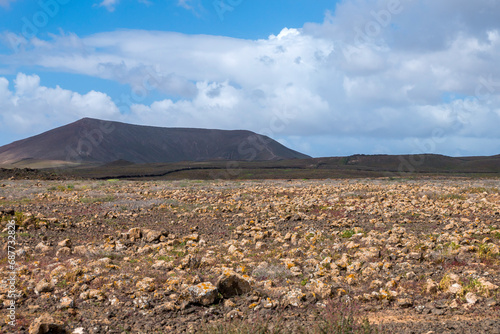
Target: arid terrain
{"x": 380, "y": 255}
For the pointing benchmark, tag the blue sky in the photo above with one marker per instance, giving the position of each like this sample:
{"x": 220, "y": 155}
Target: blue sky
{"x": 235, "y": 18}
{"x": 253, "y": 19}
{"x": 323, "y": 77}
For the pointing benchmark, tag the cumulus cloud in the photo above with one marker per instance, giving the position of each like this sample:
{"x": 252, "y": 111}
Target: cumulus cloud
{"x": 32, "y": 107}
{"x": 223, "y": 106}
{"x": 390, "y": 73}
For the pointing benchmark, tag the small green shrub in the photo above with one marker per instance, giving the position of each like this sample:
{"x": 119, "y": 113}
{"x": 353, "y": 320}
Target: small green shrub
{"x": 347, "y": 233}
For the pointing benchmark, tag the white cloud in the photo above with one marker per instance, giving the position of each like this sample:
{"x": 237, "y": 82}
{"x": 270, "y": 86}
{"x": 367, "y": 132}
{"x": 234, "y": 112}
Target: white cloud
{"x": 370, "y": 70}
{"x": 31, "y": 107}
{"x": 109, "y": 4}
{"x": 4, "y": 89}
{"x": 220, "y": 105}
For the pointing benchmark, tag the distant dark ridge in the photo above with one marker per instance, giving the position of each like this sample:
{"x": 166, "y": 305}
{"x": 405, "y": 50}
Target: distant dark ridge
{"x": 119, "y": 163}
{"x": 357, "y": 166}
{"x": 30, "y": 174}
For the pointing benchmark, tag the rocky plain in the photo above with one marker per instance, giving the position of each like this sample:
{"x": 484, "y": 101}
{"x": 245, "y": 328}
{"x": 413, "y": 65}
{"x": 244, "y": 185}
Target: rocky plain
{"x": 297, "y": 256}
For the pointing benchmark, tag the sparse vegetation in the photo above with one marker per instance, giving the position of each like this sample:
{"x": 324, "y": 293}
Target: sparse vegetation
{"x": 104, "y": 199}
{"x": 347, "y": 233}
{"x": 330, "y": 256}
{"x": 337, "y": 318}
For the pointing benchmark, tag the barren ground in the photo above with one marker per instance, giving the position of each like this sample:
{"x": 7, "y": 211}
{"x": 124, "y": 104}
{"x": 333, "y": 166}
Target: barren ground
{"x": 410, "y": 256}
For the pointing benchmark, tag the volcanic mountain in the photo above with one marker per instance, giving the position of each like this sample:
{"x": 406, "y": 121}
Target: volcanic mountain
{"x": 96, "y": 141}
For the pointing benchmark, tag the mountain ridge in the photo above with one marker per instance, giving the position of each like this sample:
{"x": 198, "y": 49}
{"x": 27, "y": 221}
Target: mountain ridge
{"x": 90, "y": 140}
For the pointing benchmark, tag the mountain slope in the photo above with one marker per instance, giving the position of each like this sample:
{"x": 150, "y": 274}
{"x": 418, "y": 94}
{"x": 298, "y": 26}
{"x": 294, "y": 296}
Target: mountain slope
{"x": 95, "y": 141}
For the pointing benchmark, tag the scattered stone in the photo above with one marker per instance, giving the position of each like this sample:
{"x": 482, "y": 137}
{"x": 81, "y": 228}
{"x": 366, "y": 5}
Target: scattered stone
{"x": 471, "y": 298}
{"x": 64, "y": 243}
{"x": 411, "y": 275}
{"x": 204, "y": 293}
{"x": 151, "y": 235}
{"x": 43, "y": 286}
{"x": 232, "y": 284}
{"x": 491, "y": 302}
{"x": 295, "y": 297}
{"x": 404, "y": 302}
{"x": 228, "y": 303}
{"x": 147, "y": 284}
{"x": 261, "y": 245}
{"x": 455, "y": 288}
{"x": 487, "y": 287}
{"x": 64, "y": 251}
{"x": 431, "y": 286}
{"x": 162, "y": 265}
{"x": 45, "y": 324}
{"x": 66, "y": 302}
{"x": 415, "y": 256}
{"x": 385, "y": 245}
{"x": 322, "y": 290}
{"x": 166, "y": 307}
{"x": 81, "y": 250}
{"x": 135, "y": 233}
{"x": 142, "y": 302}
{"x": 43, "y": 248}
{"x": 234, "y": 314}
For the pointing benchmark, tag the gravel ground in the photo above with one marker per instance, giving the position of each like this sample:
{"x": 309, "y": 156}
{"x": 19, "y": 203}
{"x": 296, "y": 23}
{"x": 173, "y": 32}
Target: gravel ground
{"x": 408, "y": 256}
